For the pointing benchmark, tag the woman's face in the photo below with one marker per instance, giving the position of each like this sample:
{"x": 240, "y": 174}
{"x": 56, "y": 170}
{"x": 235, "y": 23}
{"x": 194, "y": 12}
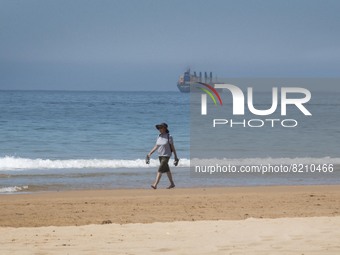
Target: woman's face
{"x": 162, "y": 130}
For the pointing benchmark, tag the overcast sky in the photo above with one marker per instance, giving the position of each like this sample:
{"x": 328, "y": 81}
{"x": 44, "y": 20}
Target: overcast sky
{"x": 146, "y": 45}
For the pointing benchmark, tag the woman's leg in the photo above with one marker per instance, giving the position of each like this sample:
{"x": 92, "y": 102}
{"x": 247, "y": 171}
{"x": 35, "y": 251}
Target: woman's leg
{"x": 163, "y": 168}
{"x": 172, "y": 184}
{"x": 158, "y": 178}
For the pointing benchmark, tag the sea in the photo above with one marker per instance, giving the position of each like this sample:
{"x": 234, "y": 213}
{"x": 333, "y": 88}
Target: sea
{"x": 75, "y": 140}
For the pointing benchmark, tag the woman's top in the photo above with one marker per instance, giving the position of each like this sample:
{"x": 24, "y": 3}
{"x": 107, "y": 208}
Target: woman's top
{"x": 162, "y": 142}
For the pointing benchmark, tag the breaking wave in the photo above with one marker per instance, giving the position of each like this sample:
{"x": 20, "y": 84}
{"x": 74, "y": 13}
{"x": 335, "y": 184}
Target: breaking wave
{"x": 13, "y": 189}
{"x": 9, "y": 163}
{"x": 15, "y": 163}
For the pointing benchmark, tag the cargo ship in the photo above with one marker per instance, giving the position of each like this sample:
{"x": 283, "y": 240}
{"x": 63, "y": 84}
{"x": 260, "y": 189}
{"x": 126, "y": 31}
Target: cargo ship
{"x": 188, "y": 79}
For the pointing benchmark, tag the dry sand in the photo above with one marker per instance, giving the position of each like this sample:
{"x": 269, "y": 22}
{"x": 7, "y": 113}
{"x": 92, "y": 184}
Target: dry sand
{"x": 319, "y": 236}
{"x": 305, "y": 220}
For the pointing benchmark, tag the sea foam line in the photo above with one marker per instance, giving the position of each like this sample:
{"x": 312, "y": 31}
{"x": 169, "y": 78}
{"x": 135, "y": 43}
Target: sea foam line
{"x": 268, "y": 160}
{"x": 13, "y": 189}
{"x": 16, "y": 163}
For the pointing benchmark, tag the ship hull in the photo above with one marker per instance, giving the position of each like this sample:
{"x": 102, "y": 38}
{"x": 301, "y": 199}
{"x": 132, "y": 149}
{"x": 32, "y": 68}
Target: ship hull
{"x": 184, "y": 88}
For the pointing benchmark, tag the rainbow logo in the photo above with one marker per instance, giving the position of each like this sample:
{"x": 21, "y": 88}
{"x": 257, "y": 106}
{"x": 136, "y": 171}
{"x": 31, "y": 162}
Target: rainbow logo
{"x": 210, "y": 93}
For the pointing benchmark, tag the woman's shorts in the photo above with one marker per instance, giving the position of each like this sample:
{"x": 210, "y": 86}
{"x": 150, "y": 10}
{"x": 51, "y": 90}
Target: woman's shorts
{"x": 164, "y": 166}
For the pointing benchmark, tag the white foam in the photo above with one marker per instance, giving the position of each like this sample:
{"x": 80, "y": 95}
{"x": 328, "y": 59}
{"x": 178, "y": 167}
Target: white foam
{"x": 14, "y": 163}
{"x": 9, "y": 163}
{"x": 268, "y": 160}
{"x": 13, "y": 189}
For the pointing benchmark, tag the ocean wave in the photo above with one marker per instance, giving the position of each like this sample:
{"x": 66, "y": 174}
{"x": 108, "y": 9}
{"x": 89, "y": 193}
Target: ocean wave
{"x": 14, "y": 163}
{"x": 13, "y": 189}
{"x": 268, "y": 160}
{"x": 9, "y": 163}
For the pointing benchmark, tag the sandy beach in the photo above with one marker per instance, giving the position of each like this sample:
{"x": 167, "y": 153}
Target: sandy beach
{"x": 237, "y": 220}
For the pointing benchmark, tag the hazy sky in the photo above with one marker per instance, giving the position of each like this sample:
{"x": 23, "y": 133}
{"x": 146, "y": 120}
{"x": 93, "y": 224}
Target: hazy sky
{"x": 146, "y": 44}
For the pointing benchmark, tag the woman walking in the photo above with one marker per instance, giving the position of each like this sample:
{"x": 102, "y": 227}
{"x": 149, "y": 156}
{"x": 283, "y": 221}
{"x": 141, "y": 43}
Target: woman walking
{"x": 165, "y": 147}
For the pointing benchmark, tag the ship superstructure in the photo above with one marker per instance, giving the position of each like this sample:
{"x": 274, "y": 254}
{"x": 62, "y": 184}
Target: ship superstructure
{"x": 189, "y": 79}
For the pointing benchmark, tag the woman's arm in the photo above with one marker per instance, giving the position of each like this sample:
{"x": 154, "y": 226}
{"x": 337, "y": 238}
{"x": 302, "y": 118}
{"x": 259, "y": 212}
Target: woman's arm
{"x": 153, "y": 150}
{"x": 173, "y": 149}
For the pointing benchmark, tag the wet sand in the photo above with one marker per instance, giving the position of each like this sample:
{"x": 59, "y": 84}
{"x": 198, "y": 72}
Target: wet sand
{"x": 74, "y": 208}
